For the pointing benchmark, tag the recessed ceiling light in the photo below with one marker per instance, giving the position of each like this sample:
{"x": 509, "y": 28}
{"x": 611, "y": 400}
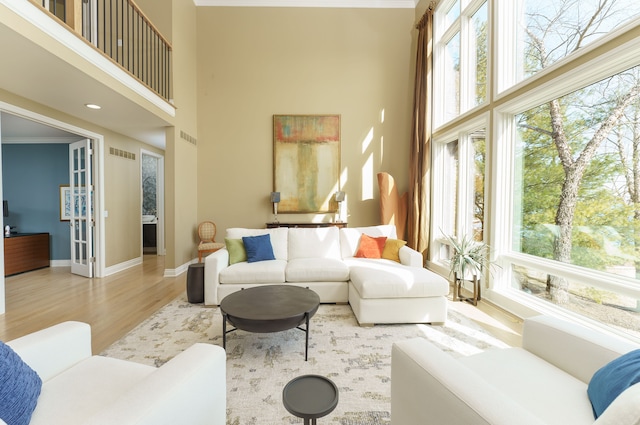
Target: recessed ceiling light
{"x": 92, "y": 106}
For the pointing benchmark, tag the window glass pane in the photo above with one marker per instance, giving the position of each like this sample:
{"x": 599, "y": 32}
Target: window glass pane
{"x": 453, "y": 13}
{"x": 577, "y": 184}
{"x": 479, "y": 159}
{"x": 452, "y": 78}
{"x": 613, "y": 309}
{"x": 553, "y": 29}
{"x": 479, "y": 67}
{"x": 450, "y": 191}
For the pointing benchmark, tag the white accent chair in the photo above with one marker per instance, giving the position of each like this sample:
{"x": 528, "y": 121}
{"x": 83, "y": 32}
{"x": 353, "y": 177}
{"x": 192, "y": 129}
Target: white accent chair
{"x": 79, "y": 388}
{"x": 544, "y": 382}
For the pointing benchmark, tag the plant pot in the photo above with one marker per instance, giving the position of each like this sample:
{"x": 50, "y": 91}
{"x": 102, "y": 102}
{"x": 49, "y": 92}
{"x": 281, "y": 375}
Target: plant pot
{"x": 458, "y": 286}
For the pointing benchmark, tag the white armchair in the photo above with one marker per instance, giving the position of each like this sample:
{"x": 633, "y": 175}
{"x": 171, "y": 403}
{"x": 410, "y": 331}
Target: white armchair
{"x": 79, "y": 388}
{"x": 544, "y": 382}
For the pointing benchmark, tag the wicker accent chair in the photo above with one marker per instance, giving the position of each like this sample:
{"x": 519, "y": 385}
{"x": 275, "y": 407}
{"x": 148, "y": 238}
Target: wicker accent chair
{"x": 207, "y": 234}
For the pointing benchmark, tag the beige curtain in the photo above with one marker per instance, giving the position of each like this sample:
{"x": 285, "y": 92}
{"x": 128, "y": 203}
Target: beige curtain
{"x": 420, "y": 159}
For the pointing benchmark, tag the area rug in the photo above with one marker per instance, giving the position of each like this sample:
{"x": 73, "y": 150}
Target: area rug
{"x": 357, "y": 359}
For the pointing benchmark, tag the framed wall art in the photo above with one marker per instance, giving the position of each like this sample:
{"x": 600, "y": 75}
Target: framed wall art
{"x": 306, "y": 162}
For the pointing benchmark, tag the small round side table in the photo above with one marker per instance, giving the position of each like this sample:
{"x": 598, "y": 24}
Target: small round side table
{"x": 310, "y": 397}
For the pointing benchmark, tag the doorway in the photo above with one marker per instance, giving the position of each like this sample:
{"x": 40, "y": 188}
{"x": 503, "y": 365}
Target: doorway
{"x": 152, "y": 179}
{"x": 32, "y": 131}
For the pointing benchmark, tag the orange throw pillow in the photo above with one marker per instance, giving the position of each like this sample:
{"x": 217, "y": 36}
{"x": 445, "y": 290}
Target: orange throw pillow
{"x": 370, "y": 247}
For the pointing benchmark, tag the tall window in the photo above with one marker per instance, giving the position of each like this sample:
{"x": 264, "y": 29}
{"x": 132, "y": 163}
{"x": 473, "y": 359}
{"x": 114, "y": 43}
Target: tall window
{"x": 461, "y": 57}
{"x": 460, "y": 194}
{"x": 552, "y": 180}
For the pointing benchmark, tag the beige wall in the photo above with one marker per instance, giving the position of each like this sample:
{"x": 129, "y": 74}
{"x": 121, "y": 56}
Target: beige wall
{"x": 123, "y": 198}
{"x": 181, "y": 157}
{"x": 257, "y": 62}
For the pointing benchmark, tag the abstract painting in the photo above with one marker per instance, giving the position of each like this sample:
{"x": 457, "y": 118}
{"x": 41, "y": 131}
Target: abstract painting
{"x": 306, "y": 162}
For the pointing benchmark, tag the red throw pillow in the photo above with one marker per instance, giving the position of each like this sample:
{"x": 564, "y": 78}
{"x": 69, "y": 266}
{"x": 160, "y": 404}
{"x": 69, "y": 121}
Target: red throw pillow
{"x": 370, "y": 247}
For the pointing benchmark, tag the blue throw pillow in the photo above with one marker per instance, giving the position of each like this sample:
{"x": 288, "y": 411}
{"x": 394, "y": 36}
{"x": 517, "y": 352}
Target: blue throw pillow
{"x": 258, "y": 248}
{"x": 612, "y": 379}
{"x": 19, "y": 388}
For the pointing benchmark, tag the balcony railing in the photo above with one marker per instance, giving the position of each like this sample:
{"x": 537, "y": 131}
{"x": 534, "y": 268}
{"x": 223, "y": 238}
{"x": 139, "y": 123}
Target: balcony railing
{"x": 120, "y": 30}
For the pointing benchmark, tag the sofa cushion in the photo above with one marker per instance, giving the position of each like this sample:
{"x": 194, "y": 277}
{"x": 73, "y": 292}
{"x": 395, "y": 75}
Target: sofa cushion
{"x": 370, "y": 247}
{"x": 321, "y": 242}
{"x": 258, "y": 248}
{"x": 388, "y": 279}
{"x": 81, "y": 391}
{"x": 20, "y": 387}
{"x": 525, "y": 378}
{"x": 278, "y": 238}
{"x": 391, "y": 249}
{"x": 317, "y": 270}
{"x": 350, "y": 237}
{"x": 272, "y": 271}
{"x": 612, "y": 379}
{"x": 237, "y": 253}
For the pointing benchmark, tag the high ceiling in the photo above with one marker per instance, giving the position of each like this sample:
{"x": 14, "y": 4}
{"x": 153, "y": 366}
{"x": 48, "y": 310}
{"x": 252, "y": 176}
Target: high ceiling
{"x": 34, "y": 73}
{"x": 370, "y": 4}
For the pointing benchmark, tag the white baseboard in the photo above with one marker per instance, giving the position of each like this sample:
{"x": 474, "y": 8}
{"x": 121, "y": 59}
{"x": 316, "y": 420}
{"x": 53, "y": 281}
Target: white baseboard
{"x": 108, "y": 271}
{"x": 179, "y": 270}
{"x": 60, "y": 263}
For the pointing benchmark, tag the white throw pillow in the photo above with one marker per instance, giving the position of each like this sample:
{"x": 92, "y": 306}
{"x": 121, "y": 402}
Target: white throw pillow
{"x": 322, "y": 242}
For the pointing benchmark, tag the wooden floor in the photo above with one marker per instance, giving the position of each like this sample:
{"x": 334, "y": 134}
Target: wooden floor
{"x": 112, "y": 305}
{"x": 116, "y": 304}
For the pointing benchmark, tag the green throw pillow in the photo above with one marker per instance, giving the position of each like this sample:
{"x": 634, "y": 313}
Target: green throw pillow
{"x": 237, "y": 253}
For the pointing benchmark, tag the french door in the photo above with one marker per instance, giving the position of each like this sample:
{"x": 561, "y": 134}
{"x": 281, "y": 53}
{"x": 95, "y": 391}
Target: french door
{"x": 82, "y": 220}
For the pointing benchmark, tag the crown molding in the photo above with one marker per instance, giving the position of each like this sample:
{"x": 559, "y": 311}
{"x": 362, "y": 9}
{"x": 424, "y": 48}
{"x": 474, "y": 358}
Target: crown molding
{"x": 362, "y": 4}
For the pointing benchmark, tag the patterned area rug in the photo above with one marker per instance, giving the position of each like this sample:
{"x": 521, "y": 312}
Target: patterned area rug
{"x": 357, "y": 359}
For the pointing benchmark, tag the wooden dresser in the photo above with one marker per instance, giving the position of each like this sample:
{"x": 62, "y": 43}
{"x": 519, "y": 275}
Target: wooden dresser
{"x": 24, "y": 252}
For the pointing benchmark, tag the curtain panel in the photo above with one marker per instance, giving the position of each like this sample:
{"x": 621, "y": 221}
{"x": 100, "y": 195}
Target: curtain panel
{"x": 420, "y": 157}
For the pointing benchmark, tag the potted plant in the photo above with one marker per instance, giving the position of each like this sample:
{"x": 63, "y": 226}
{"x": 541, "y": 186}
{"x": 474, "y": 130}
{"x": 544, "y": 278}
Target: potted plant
{"x": 468, "y": 259}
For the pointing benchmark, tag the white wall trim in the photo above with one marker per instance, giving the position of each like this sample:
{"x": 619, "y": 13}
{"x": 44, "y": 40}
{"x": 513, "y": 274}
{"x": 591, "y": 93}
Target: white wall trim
{"x": 122, "y": 266}
{"x": 179, "y": 270}
{"x": 361, "y": 4}
{"x": 60, "y": 263}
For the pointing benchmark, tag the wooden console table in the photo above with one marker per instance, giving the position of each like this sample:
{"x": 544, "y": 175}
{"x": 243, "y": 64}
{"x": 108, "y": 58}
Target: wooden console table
{"x": 24, "y": 252}
{"x": 306, "y": 225}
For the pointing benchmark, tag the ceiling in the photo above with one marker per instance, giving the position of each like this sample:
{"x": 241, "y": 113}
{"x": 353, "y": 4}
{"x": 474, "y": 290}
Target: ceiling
{"x": 15, "y": 129}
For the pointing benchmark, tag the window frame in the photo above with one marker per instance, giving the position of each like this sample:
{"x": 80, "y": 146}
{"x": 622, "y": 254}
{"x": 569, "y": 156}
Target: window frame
{"x": 442, "y": 36}
{"x": 613, "y": 53}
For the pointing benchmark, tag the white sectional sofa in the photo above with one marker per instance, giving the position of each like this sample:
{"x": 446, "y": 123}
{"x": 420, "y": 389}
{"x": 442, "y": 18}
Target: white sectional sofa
{"x": 544, "y": 382}
{"x": 322, "y": 259}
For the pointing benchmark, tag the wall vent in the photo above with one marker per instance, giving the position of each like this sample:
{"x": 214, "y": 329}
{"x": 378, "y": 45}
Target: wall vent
{"x": 189, "y": 138}
{"x": 122, "y": 154}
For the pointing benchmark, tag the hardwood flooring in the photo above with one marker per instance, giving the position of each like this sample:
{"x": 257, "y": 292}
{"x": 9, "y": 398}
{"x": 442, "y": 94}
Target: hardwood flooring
{"x": 112, "y": 305}
{"x": 116, "y": 304}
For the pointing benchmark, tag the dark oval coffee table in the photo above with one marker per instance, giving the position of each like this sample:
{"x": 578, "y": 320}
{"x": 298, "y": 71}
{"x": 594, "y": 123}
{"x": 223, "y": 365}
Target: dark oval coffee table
{"x": 310, "y": 397}
{"x": 269, "y": 308}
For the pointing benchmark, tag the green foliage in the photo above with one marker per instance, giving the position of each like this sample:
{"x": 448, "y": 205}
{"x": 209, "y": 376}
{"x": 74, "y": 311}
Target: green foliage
{"x": 469, "y": 256}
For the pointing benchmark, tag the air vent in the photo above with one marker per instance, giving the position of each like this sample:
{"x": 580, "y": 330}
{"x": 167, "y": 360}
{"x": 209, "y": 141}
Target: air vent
{"x": 188, "y": 138}
{"x": 122, "y": 154}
